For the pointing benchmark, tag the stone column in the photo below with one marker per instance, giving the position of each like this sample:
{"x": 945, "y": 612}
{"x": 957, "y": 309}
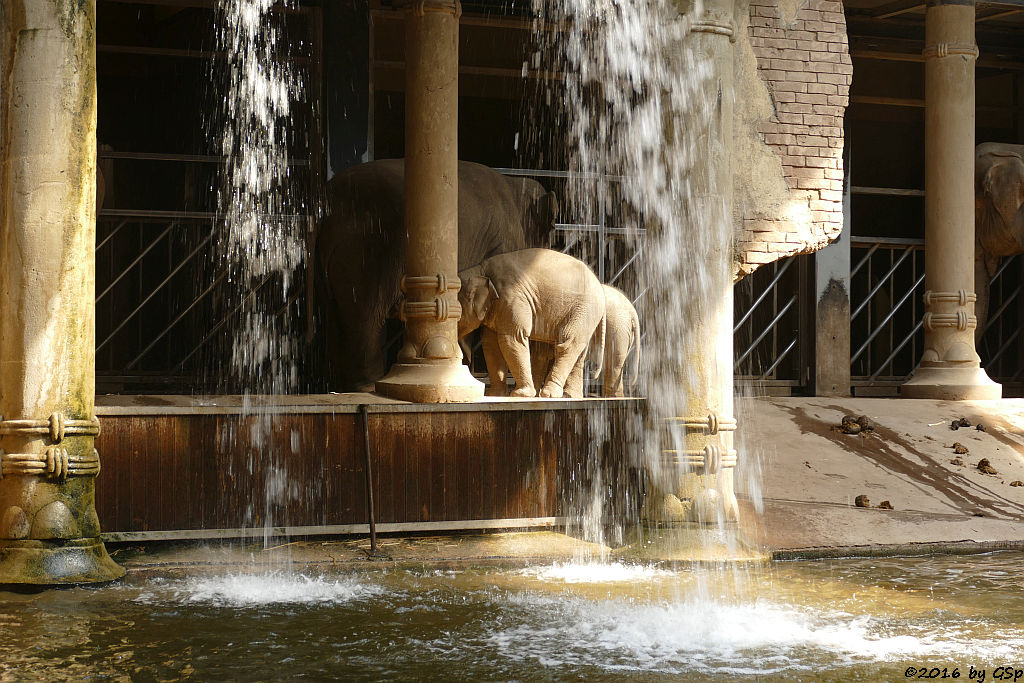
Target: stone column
{"x": 49, "y": 531}
{"x": 950, "y": 367}
{"x": 701, "y": 443}
{"x": 429, "y": 367}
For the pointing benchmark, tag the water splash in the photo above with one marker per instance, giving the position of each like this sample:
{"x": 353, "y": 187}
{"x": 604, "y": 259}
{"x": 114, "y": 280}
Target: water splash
{"x": 272, "y": 588}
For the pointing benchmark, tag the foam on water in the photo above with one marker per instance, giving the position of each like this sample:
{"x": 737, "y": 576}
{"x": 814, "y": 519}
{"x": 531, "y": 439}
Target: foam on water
{"x": 595, "y": 572}
{"x": 273, "y": 588}
{"x": 743, "y": 638}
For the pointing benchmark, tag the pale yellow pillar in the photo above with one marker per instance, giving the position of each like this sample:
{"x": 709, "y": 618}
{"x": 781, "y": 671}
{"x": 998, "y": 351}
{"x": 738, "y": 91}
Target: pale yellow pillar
{"x": 49, "y": 530}
{"x": 950, "y": 367}
{"x": 429, "y": 367}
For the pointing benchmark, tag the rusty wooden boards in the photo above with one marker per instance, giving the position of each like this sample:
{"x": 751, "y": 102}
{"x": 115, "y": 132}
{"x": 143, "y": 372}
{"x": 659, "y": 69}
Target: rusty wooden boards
{"x": 177, "y": 464}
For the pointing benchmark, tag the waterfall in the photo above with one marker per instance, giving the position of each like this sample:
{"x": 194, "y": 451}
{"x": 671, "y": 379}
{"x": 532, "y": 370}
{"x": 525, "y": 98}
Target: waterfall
{"x": 262, "y": 239}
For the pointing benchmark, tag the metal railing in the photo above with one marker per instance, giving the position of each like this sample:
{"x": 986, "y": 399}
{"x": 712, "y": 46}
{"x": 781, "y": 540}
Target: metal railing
{"x": 1001, "y": 344}
{"x": 768, "y": 331}
{"x": 886, "y": 309}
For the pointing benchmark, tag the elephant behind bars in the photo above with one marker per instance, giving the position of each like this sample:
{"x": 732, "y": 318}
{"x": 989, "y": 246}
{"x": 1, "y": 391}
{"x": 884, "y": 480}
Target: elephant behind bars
{"x": 359, "y": 253}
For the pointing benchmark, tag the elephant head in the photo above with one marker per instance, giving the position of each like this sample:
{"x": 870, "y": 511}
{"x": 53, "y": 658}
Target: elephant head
{"x": 999, "y": 216}
{"x": 999, "y": 195}
{"x": 476, "y": 297}
{"x": 538, "y": 207}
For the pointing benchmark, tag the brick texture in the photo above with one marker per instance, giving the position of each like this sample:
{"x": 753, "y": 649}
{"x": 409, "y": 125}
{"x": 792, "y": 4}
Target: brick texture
{"x": 804, "y": 60}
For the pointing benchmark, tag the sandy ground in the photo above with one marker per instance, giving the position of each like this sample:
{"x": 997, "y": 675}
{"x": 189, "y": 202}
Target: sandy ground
{"x": 811, "y": 473}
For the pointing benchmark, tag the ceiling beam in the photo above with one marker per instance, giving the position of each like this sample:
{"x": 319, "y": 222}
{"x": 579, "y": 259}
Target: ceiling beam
{"x": 894, "y": 9}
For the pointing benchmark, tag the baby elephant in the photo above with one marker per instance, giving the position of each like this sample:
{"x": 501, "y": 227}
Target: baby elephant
{"x": 536, "y": 294}
{"x": 622, "y": 334}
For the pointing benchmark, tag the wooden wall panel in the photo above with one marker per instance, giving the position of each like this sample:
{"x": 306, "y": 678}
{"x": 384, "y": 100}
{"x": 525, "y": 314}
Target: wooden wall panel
{"x": 209, "y": 471}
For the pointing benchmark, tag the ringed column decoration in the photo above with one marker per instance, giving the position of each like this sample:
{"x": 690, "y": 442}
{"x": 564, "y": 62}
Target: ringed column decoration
{"x": 950, "y": 367}
{"x": 49, "y": 530}
{"x": 429, "y": 367}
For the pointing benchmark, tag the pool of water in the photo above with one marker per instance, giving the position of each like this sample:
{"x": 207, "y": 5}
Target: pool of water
{"x": 862, "y": 619}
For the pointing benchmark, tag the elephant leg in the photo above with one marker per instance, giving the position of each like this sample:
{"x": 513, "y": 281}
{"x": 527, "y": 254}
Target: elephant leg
{"x": 574, "y": 383}
{"x": 497, "y": 370}
{"x": 516, "y": 350}
{"x": 540, "y": 362}
{"x": 567, "y": 354}
{"x": 613, "y": 375}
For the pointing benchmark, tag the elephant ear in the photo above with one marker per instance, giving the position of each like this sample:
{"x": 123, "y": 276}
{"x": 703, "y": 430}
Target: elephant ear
{"x": 481, "y": 295}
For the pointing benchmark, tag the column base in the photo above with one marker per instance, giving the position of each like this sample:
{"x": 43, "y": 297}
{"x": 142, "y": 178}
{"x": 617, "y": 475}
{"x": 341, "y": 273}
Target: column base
{"x": 428, "y": 383}
{"x": 943, "y": 382}
{"x": 48, "y": 564}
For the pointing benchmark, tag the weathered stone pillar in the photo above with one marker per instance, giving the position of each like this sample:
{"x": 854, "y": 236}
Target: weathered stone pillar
{"x": 950, "y": 367}
{"x": 49, "y": 531}
{"x": 707, "y": 457}
{"x": 429, "y": 367}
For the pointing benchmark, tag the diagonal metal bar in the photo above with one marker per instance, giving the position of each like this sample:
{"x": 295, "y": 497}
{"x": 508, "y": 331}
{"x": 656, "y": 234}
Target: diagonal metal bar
{"x": 1006, "y": 345}
{"x": 887, "y": 361}
{"x": 767, "y": 329}
{"x": 157, "y": 289}
{"x": 127, "y": 269}
{"x": 871, "y": 337}
{"x": 176, "y": 320}
{"x": 778, "y": 360}
{"x": 883, "y": 280}
{"x": 1002, "y": 266}
{"x": 113, "y": 232}
{"x": 223, "y": 321}
{"x": 995, "y": 316}
{"x": 864, "y": 259}
{"x": 767, "y": 290}
{"x": 628, "y": 263}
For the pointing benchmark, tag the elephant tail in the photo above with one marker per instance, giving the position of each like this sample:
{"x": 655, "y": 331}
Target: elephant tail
{"x": 636, "y": 354}
{"x": 598, "y": 341}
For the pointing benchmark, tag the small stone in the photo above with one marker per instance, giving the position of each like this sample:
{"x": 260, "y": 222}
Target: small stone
{"x": 862, "y": 501}
{"x": 980, "y": 427}
{"x": 885, "y": 505}
{"x": 954, "y": 425}
{"x": 1018, "y": 482}
{"x": 959, "y": 448}
{"x": 979, "y": 514}
{"x": 963, "y": 422}
{"x": 985, "y": 466}
{"x": 957, "y": 461}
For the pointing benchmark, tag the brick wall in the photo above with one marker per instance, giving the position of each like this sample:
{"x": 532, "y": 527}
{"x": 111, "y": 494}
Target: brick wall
{"x": 803, "y": 58}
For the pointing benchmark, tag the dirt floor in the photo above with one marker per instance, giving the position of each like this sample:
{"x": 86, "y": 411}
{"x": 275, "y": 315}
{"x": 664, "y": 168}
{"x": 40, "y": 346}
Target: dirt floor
{"x": 811, "y": 473}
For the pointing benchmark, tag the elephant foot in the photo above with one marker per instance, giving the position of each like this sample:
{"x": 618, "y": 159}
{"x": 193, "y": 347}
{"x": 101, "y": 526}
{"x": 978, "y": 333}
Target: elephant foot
{"x": 551, "y": 391}
{"x": 523, "y": 392}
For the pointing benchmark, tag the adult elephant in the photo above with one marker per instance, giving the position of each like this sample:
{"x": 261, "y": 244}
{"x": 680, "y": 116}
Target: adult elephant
{"x": 359, "y": 254}
{"x": 999, "y": 215}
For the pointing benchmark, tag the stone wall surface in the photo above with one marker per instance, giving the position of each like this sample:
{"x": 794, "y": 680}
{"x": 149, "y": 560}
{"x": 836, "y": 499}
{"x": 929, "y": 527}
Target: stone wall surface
{"x": 793, "y": 74}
